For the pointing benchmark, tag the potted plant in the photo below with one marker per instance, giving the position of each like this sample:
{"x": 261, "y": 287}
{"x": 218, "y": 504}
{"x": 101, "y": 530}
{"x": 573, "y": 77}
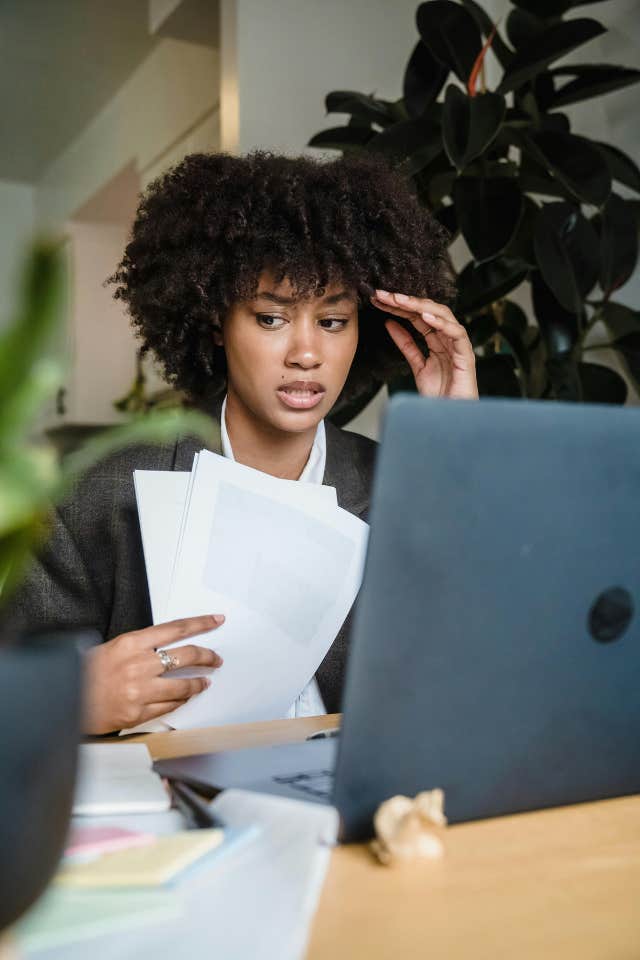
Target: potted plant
{"x": 40, "y": 681}
{"x": 536, "y": 203}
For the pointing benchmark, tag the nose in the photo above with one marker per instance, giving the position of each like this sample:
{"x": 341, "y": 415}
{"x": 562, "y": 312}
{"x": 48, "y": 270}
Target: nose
{"x": 304, "y": 350}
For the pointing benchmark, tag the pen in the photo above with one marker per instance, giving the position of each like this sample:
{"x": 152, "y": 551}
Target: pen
{"x": 197, "y": 809}
{"x": 324, "y": 734}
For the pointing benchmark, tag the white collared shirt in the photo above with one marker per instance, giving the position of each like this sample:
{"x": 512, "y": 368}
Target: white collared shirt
{"x": 308, "y": 703}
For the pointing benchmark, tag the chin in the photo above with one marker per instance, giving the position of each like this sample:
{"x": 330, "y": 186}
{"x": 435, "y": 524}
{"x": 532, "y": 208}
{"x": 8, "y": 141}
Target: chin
{"x": 299, "y": 421}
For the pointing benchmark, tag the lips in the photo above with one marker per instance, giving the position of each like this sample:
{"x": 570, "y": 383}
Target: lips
{"x": 301, "y": 394}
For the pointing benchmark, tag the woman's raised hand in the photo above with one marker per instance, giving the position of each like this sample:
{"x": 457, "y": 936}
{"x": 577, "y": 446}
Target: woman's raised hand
{"x": 128, "y": 681}
{"x": 450, "y": 368}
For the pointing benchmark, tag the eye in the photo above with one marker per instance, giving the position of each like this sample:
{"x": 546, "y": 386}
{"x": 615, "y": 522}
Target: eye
{"x": 333, "y": 323}
{"x": 270, "y": 322}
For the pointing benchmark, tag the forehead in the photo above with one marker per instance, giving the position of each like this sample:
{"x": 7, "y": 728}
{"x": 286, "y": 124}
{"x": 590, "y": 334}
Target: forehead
{"x": 284, "y": 289}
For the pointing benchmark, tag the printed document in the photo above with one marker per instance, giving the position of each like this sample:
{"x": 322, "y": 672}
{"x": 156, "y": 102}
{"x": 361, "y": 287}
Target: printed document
{"x": 278, "y": 558}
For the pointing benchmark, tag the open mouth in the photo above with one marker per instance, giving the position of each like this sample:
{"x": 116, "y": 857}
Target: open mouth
{"x": 301, "y": 395}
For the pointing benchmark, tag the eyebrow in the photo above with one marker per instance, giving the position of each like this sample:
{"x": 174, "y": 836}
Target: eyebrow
{"x": 285, "y": 301}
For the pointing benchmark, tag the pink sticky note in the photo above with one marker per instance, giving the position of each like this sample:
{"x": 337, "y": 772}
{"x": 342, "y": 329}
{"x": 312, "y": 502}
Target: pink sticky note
{"x": 87, "y": 842}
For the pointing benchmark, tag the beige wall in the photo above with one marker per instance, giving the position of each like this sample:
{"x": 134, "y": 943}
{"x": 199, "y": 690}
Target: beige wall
{"x": 167, "y": 108}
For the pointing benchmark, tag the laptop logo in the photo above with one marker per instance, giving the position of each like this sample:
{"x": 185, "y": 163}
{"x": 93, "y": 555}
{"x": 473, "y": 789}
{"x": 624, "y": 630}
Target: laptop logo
{"x": 610, "y": 614}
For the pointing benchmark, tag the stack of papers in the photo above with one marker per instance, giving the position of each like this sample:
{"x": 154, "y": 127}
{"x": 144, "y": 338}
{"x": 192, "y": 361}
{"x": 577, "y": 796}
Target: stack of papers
{"x": 117, "y": 778}
{"x": 280, "y": 559}
{"x": 152, "y": 865}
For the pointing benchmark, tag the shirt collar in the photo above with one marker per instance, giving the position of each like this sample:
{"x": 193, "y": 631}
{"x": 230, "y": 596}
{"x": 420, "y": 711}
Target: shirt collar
{"x": 315, "y": 465}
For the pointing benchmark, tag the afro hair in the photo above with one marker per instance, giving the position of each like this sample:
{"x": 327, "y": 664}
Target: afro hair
{"x": 206, "y": 229}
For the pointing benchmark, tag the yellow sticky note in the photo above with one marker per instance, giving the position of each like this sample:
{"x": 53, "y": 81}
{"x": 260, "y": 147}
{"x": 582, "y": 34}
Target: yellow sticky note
{"x": 149, "y": 866}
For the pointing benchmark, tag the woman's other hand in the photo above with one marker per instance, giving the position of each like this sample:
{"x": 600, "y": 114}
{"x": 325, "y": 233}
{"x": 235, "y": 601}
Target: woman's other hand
{"x": 450, "y": 368}
{"x": 127, "y": 683}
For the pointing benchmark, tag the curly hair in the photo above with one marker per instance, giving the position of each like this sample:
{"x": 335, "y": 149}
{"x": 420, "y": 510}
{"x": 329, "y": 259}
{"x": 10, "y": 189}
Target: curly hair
{"x": 205, "y": 230}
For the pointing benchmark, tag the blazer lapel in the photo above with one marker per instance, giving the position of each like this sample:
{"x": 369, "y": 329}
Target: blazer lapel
{"x": 352, "y": 488}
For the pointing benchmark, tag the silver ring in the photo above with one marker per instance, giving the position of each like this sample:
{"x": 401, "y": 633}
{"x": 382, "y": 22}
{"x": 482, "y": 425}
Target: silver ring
{"x": 168, "y": 662}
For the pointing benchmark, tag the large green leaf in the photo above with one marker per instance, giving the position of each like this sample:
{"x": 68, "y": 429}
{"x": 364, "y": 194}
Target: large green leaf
{"x": 469, "y": 124}
{"x": 590, "y": 80}
{"x": 621, "y": 167}
{"x": 342, "y": 138}
{"x": 564, "y": 378}
{"x": 29, "y": 398}
{"x": 559, "y": 327}
{"x": 485, "y": 24}
{"x": 559, "y": 40}
{"x": 618, "y": 243}
{"x": 543, "y": 8}
{"x": 551, "y": 8}
{"x": 566, "y": 247}
{"x": 521, "y": 245}
{"x": 402, "y": 139}
{"x": 451, "y": 34}
{"x": 360, "y": 105}
{"x": 523, "y": 27}
{"x": 497, "y": 377}
{"x": 40, "y": 315}
{"x": 512, "y": 329}
{"x": 488, "y": 210}
{"x": 574, "y": 161}
{"x": 619, "y": 318}
{"x": 535, "y": 178}
{"x": 629, "y": 347}
{"x": 482, "y": 284}
{"x": 28, "y": 477}
{"x": 423, "y": 80}
{"x": 423, "y": 156}
{"x": 481, "y": 328}
{"x": 601, "y": 384}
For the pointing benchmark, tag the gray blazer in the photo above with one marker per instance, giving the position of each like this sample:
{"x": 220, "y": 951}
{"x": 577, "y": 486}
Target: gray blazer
{"x": 91, "y": 572}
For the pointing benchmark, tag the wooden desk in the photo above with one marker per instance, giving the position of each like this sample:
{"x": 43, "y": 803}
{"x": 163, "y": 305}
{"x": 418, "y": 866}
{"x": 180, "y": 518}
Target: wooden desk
{"x": 559, "y": 884}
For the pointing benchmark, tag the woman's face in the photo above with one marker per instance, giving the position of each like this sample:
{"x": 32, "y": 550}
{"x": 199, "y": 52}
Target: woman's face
{"x": 288, "y": 359}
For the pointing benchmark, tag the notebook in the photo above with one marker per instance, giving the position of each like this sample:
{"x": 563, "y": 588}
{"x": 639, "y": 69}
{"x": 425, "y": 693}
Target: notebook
{"x": 115, "y": 778}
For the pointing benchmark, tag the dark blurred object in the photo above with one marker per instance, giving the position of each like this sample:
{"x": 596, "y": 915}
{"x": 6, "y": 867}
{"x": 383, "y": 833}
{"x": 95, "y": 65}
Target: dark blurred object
{"x": 533, "y": 201}
{"x": 40, "y": 709}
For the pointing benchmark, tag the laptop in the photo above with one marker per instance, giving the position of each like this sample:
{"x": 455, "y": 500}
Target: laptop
{"x": 496, "y": 646}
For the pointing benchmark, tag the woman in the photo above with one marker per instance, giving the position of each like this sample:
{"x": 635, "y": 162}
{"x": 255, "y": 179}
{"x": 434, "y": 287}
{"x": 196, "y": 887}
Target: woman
{"x": 264, "y": 285}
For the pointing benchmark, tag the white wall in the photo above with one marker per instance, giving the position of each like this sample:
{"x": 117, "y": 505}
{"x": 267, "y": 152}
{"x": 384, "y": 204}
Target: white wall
{"x": 171, "y": 96}
{"x": 17, "y": 205}
{"x": 289, "y": 54}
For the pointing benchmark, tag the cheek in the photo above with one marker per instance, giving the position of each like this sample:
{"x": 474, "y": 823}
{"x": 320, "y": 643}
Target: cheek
{"x": 342, "y": 356}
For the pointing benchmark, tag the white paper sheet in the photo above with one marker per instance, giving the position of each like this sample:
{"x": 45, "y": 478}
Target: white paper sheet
{"x": 163, "y": 498}
{"x": 115, "y": 779}
{"x": 283, "y": 565}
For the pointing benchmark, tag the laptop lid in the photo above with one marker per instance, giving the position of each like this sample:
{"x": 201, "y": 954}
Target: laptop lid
{"x": 495, "y": 650}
